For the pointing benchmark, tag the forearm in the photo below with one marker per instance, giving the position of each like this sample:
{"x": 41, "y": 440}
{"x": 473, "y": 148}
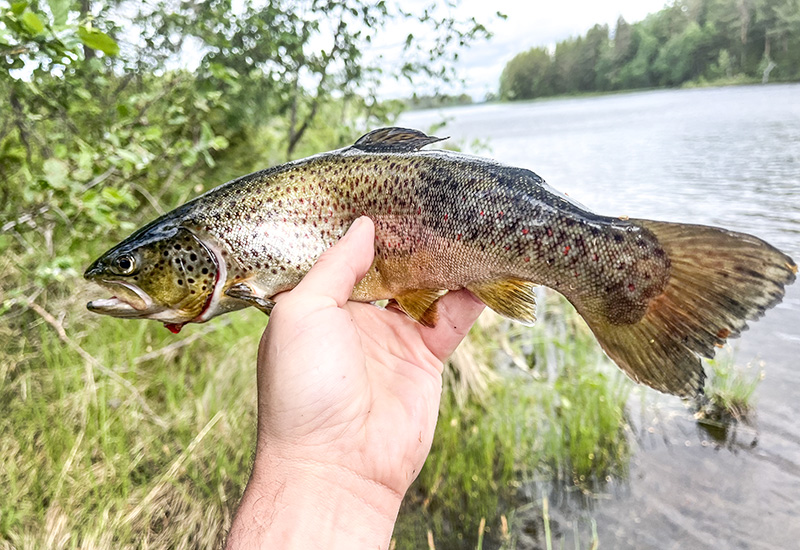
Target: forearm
{"x": 303, "y": 504}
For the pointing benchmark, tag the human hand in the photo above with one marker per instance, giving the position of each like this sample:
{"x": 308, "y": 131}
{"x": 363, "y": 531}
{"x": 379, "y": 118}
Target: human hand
{"x": 348, "y": 400}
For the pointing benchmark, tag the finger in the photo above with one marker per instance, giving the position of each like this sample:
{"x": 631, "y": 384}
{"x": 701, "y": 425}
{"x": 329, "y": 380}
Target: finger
{"x": 342, "y": 266}
{"x": 458, "y": 310}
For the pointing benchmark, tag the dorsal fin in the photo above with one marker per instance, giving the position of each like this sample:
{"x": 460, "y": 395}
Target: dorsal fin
{"x": 394, "y": 140}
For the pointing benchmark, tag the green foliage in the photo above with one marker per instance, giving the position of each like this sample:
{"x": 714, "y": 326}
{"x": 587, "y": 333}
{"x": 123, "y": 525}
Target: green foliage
{"x": 688, "y": 41}
{"x": 527, "y": 76}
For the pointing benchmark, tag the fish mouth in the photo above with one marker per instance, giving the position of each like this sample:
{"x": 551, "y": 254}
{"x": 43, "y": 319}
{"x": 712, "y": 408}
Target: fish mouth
{"x": 128, "y": 301}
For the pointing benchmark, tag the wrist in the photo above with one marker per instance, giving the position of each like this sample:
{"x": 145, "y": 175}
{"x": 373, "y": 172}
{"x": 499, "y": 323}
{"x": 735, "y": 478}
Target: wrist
{"x": 301, "y": 503}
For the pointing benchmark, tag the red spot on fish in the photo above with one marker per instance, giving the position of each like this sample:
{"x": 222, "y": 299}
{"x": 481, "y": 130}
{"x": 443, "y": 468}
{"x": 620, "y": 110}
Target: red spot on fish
{"x": 500, "y": 214}
{"x": 445, "y": 217}
{"x": 524, "y": 231}
{"x": 174, "y": 328}
{"x": 459, "y": 237}
{"x": 631, "y": 287}
{"x": 595, "y": 257}
{"x": 566, "y": 250}
{"x": 419, "y": 210}
{"x": 482, "y": 212}
{"x": 389, "y": 210}
{"x": 527, "y": 258}
{"x": 549, "y": 232}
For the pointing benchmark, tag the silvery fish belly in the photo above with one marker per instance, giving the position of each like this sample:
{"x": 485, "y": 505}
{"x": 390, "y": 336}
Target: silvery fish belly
{"x": 657, "y": 295}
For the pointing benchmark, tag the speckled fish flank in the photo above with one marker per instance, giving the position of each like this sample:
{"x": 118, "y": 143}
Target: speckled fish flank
{"x": 655, "y": 294}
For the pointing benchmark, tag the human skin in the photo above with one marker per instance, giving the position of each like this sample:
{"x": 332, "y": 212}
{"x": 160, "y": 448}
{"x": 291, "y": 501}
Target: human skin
{"x": 348, "y": 397}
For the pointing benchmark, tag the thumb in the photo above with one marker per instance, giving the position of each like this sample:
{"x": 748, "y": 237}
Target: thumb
{"x": 342, "y": 266}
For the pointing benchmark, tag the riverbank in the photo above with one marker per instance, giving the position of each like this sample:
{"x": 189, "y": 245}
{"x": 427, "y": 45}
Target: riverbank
{"x": 726, "y": 82}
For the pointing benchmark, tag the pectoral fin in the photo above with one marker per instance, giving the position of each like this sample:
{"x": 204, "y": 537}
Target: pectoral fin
{"x": 420, "y": 305}
{"x": 241, "y": 291}
{"x": 512, "y": 298}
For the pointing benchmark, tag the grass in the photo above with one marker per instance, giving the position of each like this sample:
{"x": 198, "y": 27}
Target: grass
{"x": 119, "y": 435}
{"x": 85, "y": 464}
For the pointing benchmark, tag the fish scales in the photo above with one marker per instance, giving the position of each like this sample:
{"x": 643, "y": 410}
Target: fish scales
{"x": 478, "y": 220}
{"x": 655, "y": 294}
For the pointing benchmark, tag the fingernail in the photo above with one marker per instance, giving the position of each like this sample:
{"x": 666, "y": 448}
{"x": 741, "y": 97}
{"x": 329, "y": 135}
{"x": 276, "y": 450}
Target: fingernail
{"x": 359, "y": 222}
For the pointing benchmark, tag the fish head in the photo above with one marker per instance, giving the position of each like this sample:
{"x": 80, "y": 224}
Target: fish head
{"x": 162, "y": 272}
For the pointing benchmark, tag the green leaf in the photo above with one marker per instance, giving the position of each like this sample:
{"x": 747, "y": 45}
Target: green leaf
{"x": 98, "y": 40}
{"x": 32, "y": 22}
{"x": 5, "y": 243}
{"x": 56, "y": 172}
{"x": 116, "y": 197}
{"x": 18, "y": 7}
{"x": 60, "y": 9}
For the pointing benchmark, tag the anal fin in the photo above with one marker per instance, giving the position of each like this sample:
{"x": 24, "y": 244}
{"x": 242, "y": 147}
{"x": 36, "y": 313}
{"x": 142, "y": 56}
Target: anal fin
{"x": 243, "y": 292}
{"x": 512, "y": 298}
{"x": 420, "y": 305}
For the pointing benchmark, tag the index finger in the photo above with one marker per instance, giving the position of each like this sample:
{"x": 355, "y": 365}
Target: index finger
{"x": 458, "y": 310}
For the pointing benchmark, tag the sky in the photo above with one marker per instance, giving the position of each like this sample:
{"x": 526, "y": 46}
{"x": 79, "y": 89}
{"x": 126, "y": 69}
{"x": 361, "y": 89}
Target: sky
{"x": 529, "y": 23}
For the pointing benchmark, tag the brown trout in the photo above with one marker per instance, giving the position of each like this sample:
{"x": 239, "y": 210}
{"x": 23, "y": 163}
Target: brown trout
{"x": 656, "y": 295}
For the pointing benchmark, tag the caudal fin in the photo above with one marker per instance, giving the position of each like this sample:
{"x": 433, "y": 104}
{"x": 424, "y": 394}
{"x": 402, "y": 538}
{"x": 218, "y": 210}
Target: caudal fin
{"x": 718, "y": 280}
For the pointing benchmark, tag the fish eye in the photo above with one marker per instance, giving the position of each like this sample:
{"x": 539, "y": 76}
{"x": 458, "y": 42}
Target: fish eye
{"x": 125, "y": 264}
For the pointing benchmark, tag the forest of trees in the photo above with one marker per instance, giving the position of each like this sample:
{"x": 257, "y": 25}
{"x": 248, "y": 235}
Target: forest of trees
{"x": 734, "y": 41}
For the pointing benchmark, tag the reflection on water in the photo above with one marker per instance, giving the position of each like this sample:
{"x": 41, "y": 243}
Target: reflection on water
{"x": 728, "y": 157}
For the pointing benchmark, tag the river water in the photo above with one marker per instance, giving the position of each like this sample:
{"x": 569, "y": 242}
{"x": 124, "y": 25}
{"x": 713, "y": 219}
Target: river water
{"x": 723, "y": 156}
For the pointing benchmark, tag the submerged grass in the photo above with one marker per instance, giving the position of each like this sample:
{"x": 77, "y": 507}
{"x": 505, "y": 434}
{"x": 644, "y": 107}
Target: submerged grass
{"x": 118, "y": 435}
{"x": 729, "y": 394}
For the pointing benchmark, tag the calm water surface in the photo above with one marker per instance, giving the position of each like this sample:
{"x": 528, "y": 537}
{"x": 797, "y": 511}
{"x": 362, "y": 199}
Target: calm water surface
{"x": 728, "y": 157}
